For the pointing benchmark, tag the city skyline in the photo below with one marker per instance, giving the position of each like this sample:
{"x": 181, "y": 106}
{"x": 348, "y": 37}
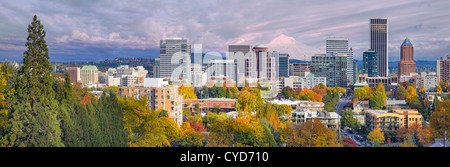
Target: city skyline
{"x": 94, "y": 31}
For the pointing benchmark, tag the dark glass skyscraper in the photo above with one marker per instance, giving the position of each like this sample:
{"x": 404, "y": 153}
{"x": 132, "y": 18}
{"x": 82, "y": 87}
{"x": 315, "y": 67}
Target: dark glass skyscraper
{"x": 283, "y": 65}
{"x": 379, "y": 43}
{"x": 370, "y": 63}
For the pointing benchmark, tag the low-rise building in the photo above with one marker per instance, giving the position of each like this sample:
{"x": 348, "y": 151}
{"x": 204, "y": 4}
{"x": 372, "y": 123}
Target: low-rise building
{"x": 359, "y": 106}
{"x": 392, "y": 120}
{"x": 301, "y": 105}
{"x": 329, "y": 119}
{"x": 396, "y": 104}
{"x": 225, "y": 104}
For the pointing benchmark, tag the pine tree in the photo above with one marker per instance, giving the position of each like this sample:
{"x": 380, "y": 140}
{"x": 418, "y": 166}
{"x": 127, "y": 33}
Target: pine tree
{"x": 32, "y": 119}
{"x": 65, "y": 115}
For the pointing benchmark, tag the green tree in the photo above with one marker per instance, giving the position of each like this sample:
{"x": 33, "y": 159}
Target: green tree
{"x": 33, "y": 120}
{"x": 163, "y": 113}
{"x": 400, "y": 94}
{"x": 377, "y": 100}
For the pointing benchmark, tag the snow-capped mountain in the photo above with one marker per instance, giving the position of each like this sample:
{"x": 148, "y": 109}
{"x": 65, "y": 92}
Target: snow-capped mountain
{"x": 295, "y": 49}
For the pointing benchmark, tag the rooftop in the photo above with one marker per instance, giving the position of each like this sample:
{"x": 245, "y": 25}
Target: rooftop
{"x": 89, "y": 68}
{"x": 406, "y": 42}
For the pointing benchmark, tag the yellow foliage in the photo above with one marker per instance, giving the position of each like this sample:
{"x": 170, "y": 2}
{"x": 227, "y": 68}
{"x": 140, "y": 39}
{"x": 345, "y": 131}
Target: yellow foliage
{"x": 187, "y": 92}
{"x": 376, "y": 136}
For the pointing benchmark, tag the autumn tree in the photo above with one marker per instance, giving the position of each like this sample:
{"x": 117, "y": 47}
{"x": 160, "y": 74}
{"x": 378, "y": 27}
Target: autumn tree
{"x": 33, "y": 113}
{"x": 6, "y": 92}
{"x": 438, "y": 117}
{"x": 187, "y": 92}
{"x": 310, "y": 134}
{"x": 362, "y": 93}
{"x": 142, "y": 125}
{"x": 376, "y": 137}
{"x": 438, "y": 89}
{"x": 411, "y": 93}
{"x": 190, "y": 137}
{"x": 349, "y": 142}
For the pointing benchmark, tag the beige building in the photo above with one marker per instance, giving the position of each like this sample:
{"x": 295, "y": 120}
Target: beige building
{"x": 392, "y": 120}
{"x": 89, "y": 75}
{"x": 160, "y": 95}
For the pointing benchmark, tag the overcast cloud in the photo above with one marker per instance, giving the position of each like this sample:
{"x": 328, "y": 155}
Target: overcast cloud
{"x": 97, "y": 30}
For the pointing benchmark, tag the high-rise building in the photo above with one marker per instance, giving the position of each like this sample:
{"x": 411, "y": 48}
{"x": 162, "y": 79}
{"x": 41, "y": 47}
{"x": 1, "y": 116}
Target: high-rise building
{"x": 89, "y": 75}
{"x": 156, "y": 68}
{"x": 332, "y": 66}
{"x": 283, "y": 65}
{"x": 175, "y": 59}
{"x": 370, "y": 63}
{"x": 379, "y": 43}
{"x": 406, "y": 65}
{"x": 355, "y": 71}
{"x": 226, "y": 69}
{"x": 339, "y": 45}
{"x": 443, "y": 69}
{"x": 242, "y": 54}
{"x": 265, "y": 65}
{"x": 74, "y": 73}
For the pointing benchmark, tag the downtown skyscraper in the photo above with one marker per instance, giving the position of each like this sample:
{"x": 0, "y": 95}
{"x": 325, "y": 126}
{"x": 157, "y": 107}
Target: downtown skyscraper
{"x": 379, "y": 44}
{"x": 175, "y": 59}
{"x": 339, "y": 45}
{"x": 406, "y": 65}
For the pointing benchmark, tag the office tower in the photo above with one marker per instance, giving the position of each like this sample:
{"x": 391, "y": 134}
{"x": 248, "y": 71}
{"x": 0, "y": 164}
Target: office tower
{"x": 198, "y": 76}
{"x": 379, "y": 43}
{"x": 443, "y": 69}
{"x": 283, "y": 65}
{"x": 298, "y": 69}
{"x": 276, "y": 56}
{"x": 406, "y": 65}
{"x": 265, "y": 65}
{"x": 160, "y": 95}
{"x": 370, "y": 63}
{"x": 175, "y": 59}
{"x": 224, "y": 69}
{"x": 89, "y": 75}
{"x": 241, "y": 53}
{"x": 355, "y": 71}
{"x": 156, "y": 68}
{"x": 339, "y": 45}
{"x": 332, "y": 66}
{"x": 74, "y": 73}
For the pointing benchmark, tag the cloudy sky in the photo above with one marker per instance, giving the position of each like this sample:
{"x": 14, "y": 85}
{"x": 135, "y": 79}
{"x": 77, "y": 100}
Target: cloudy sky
{"x": 97, "y": 30}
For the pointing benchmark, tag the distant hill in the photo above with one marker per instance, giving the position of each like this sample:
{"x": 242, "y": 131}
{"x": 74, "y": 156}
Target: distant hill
{"x": 298, "y": 61}
{"x": 419, "y": 63}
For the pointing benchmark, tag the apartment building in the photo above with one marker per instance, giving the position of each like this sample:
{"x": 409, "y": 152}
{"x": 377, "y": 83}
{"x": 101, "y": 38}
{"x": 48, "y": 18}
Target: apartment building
{"x": 160, "y": 95}
{"x": 392, "y": 120}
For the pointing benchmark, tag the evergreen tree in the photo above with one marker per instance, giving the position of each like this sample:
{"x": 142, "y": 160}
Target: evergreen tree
{"x": 32, "y": 119}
